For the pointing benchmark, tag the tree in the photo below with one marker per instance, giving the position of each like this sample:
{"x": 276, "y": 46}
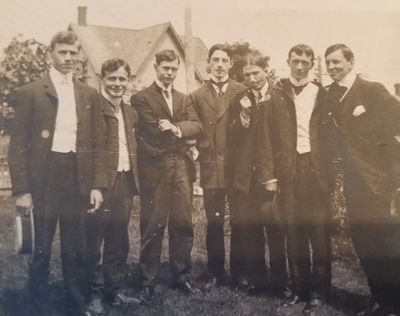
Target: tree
{"x": 239, "y": 50}
{"x": 25, "y": 61}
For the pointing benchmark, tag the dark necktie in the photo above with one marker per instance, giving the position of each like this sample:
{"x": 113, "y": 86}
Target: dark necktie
{"x": 297, "y": 89}
{"x": 335, "y": 94}
{"x": 220, "y": 85}
{"x": 166, "y": 93}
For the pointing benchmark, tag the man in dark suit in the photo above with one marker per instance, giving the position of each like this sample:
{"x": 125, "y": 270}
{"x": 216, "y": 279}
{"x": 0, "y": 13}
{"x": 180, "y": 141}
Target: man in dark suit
{"x": 360, "y": 131}
{"x": 253, "y": 181}
{"x": 110, "y": 223}
{"x": 57, "y": 168}
{"x": 166, "y": 173}
{"x": 303, "y": 195}
{"x": 212, "y": 103}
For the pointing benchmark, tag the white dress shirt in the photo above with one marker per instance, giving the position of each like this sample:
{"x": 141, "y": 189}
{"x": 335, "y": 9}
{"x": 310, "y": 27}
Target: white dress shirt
{"x": 123, "y": 154}
{"x": 165, "y": 91}
{"x": 224, "y": 87}
{"x": 347, "y": 82}
{"x": 64, "y": 139}
{"x": 304, "y": 105}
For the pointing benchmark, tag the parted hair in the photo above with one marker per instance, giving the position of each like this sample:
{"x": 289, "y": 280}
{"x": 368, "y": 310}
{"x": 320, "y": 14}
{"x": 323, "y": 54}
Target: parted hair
{"x": 255, "y": 58}
{"x": 113, "y": 64}
{"x": 222, "y": 47}
{"x": 346, "y": 51}
{"x": 63, "y": 37}
{"x": 166, "y": 55}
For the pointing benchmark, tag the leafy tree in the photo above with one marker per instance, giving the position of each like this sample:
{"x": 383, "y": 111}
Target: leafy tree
{"x": 24, "y": 61}
{"x": 239, "y": 50}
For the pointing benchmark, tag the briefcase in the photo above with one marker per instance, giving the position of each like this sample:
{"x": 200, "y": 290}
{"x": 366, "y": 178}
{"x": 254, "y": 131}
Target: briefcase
{"x": 24, "y": 231}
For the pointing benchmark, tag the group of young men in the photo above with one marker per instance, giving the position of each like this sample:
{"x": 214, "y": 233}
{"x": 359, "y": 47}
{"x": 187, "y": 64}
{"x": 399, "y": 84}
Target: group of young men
{"x": 270, "y": 154}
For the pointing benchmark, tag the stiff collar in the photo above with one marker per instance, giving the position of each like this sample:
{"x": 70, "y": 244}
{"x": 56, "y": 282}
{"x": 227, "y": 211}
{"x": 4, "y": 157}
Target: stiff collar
{"x": 347, "y": 81}
{"x": 162, "y": 87}
{"x": 224, "y": 79}
{"x": 299, "y": 83}
{"x": 58, "y": 78}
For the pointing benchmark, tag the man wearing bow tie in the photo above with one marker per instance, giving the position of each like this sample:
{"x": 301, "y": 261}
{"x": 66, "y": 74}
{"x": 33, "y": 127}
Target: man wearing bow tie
{"x": 303, "y": 197}
{"x": 166, "y": 174}
{"x": 360, "y": 131}
{"x": 212, "y": 103}
{"x": 57, "y": 168}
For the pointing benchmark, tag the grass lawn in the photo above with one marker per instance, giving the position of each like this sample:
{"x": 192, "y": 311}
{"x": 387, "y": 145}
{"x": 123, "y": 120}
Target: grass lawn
{"x": 349, "y": 295}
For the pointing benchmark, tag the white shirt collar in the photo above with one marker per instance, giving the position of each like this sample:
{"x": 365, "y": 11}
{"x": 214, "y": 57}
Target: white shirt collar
{"x": 161, "y": 85}
{"x": 299, "y": 83}
{"x": 58, "y": 78}
{"x": 215, "y": 79}
{"x": 115, "y": 102}
{"x": 263, "y": 90}
{"x": 348, "y": 80}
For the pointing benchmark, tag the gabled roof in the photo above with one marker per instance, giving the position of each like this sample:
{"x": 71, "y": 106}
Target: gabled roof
{"x": 135, "y": 46}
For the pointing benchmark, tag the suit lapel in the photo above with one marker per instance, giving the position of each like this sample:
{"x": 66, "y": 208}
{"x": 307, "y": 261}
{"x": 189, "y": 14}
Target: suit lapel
{"x": 157, "y": 95}
{"x": 107, "y": 110}
{"x": 229, "y": 93}
{"x": 348, "y": 100}
{"x": 210, "y": 95}
{"x": 176, "y": 103}
{"x": 49, "y": 88}
{"x": 80, "y": 111}
{"x": 288, "y": 91}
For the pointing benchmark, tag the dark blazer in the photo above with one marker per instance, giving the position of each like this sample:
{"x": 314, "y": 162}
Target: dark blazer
{"x": 112, "y": 148}
{"x": 284, "y": 132}
{"x": 371, "y": 139}
{"x": 249, "y": 149}
{"x": 212, "y": 140}
{"x": 33, "y": 130}
{"x": 155, "y": 145}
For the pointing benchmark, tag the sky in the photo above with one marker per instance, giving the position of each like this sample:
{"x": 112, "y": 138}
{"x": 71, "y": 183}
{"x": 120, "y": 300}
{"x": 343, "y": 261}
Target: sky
{"x": 370, "y": 27}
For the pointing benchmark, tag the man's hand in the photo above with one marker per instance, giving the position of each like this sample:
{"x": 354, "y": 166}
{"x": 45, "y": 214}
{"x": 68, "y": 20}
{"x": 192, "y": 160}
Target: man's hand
{"x": 395, "y": 205}
{"x": 96, "y": 199}
{"x": 271, "y": 186}
{"x": 165, "y": 125}
{"x": 24, "y": 200}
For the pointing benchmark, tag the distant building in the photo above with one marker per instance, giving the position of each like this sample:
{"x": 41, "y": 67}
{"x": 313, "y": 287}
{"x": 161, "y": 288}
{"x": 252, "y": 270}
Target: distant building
{"x": 137, "y": 47}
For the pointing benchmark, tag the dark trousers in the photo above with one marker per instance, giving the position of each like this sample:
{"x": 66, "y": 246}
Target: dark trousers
{"x": 170, "y": 201}
{"x": 259, "y": 228}
{"x": 309, "y": 247}
{"x": 376, "y": 238}
{"x": 215, "y": 206}
{"x": 110, "y": 225}
{"x": 60, "y": 201}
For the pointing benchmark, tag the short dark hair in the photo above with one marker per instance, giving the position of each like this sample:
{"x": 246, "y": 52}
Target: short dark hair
{"x": 223, "y": 47}
{"x": 113, "y": 64}
{"x": 301, "y": 49}
{"x": 64, "y": 37}
{"x": 346, "y": 51}
{"x": 255, "y": 58}
{"x": 166, "y": 55}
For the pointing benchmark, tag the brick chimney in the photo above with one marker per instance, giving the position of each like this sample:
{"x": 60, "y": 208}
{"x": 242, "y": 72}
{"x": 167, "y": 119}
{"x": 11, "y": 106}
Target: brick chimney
{"x": 397, "y": 89}
{"x": 82, "y": 16}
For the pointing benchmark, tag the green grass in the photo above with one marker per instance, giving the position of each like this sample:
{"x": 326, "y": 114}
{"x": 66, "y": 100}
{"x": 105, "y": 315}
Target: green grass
{"x": 349, "y": 293}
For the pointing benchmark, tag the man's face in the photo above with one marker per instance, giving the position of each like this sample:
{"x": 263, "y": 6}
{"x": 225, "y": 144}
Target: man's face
{"x": 337, "y": 65}
{"x": 220, "y": 63}
{"x": 166, "y": 71}
{"x": 299, "y": 65}
{"x": 115, "y": 83}
{"x": 254, "y": 77}
{"x": 65, "y": 57}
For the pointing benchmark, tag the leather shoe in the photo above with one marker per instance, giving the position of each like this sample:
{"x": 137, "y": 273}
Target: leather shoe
{"x": 146, "y": 295}
{"x": 124, "y": 299}
{"x": 187, "y": 288}
{"x": 291, "y": 300}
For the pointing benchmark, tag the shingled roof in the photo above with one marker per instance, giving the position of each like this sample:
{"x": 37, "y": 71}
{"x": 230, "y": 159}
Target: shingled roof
{"x": 135, "y": 46}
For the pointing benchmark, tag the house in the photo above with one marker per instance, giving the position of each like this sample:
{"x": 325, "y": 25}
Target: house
{"x": 138, "y": 47}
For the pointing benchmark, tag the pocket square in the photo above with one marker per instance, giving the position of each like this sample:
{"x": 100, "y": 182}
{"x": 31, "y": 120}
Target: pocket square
{"x": 359, "y": 109}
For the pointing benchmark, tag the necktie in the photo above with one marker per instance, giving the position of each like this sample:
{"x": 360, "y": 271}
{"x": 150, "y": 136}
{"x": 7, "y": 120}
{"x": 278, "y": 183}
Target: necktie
{"x": 297, "y": 89}
{"x": 166, "y": 93}
{"x": 220, "y": 85}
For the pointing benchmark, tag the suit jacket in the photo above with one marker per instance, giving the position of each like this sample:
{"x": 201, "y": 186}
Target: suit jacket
{"x": 112, "y": 145}
{"x": 33, "y": 130}
{"x": 370, "y": 127}
{"x": 155, "y": 145}
{"x": 284, "y": 133}
{"x": 249, "y": 157}
{"x": 212, "y": 140}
